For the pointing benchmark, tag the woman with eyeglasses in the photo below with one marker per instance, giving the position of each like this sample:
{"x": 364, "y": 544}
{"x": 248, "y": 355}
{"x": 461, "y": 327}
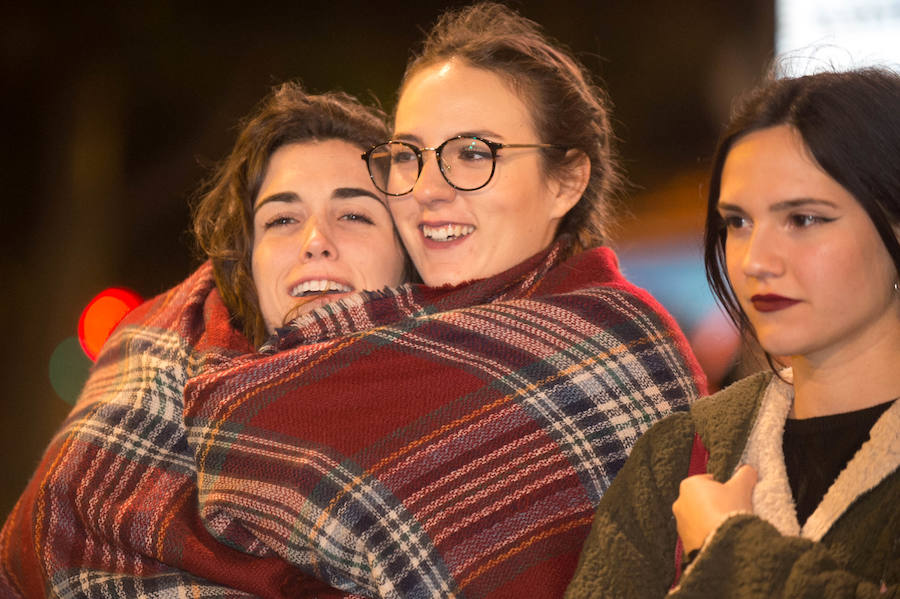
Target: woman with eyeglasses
{"x": 800, "y": 496}
{"x": 453, "y": 438}
{"x": 289, "y": 222}
{"x": 501, "y": 147}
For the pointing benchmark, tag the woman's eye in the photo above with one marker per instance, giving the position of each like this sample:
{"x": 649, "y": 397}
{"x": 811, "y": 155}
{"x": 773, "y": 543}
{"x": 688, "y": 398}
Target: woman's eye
{"x": 733, "y": 221}
{"x": 473, "y": 155}
{"x": 404, "y": 156}
{"x": 356, "y": 217}
{"x": 801, "y": 221}
{"x": 279, "y": 221}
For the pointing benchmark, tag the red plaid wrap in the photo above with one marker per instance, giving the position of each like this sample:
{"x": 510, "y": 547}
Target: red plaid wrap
{"x": 424, "y": 442}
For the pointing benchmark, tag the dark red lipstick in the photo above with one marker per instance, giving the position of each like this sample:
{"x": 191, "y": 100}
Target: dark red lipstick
{"x": 770, "y": 302}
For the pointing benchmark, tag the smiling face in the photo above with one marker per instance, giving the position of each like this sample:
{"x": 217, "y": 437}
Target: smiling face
{"x": 803, "y": 257}
{"x": 320, "y": 230}
{"x": 454, "y": 236}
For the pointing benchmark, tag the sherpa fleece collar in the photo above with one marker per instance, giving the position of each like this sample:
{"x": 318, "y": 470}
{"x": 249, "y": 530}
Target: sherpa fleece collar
{"x": 772, "y": 499}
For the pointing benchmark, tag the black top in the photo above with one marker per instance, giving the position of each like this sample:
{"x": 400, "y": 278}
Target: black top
{"x": 817, "y": 449}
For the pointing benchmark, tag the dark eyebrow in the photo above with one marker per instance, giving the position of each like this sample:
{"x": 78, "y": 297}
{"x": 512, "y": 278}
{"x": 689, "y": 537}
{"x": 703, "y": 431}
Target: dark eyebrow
{"x": 783, "y": 205}
{"x": 484, "y": 134}
{"x": 800, "y": 202}
{"x": 282, "y": 196}
{"x": 341, "y": 193}
{"x": 417, "y": 141}
{"x": 409, "y": 138}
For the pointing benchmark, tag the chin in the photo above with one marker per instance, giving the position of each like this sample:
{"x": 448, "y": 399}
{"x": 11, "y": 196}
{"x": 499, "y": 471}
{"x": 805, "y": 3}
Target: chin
{"x": 442, "y": 275}
{"x": 441, "y": 281}
{"x": 784, "y": 348}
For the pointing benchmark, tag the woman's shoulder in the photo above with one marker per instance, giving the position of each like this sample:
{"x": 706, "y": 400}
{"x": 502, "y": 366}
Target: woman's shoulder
{"x": 720, "y": 419}
{"x": 167, "y": 306}
{"x": 724, "y": 420}
{"x": 667, "y": 436}
{"x": 714, "y": 416}
{"x": 594, "y": 267}
{"x": 590, "y": 283}
{"x": 595, "y": 274}
{"x": 733, "y": 401}
{"x": 190, "y": 313}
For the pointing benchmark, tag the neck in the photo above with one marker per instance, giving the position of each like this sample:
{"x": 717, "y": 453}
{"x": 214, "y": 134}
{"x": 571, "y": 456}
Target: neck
{"x": 847, "y": 380}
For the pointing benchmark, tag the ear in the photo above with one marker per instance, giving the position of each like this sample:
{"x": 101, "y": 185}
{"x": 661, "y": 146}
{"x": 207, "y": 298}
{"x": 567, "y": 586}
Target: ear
{"x": 571, "y": 182}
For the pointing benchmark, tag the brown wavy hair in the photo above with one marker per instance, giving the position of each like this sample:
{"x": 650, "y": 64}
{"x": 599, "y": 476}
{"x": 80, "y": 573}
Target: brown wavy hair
{"x": 567, "y": 108}
{"x": 223, "y": 213}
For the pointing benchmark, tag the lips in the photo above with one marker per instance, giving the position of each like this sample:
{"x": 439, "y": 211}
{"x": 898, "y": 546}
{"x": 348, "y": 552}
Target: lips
{"x": 314, "y": 287}
{"x": 770, "y": 302}
{"x": 446, "y": 233}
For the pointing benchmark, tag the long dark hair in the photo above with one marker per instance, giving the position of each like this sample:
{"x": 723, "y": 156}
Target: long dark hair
{"x": 850, "y": 124}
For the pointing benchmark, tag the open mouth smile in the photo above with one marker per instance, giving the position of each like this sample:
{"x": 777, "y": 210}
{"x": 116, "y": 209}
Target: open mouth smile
{"x": 319, "y": 287}
{"x": 446, "y": 233}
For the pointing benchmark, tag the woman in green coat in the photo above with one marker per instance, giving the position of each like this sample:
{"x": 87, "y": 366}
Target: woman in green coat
{"x": 800, "y": 496}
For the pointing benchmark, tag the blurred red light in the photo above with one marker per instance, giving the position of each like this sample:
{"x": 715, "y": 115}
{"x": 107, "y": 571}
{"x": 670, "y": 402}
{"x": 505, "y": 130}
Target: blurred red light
{"x": 101, "y": 316}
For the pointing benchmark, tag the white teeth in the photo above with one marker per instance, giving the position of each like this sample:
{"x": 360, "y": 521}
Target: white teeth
{"x": 447, "y": 232}
{"x": 319, "y": 286}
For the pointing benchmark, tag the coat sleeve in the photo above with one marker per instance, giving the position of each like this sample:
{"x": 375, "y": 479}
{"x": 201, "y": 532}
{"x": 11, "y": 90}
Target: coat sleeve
{"x": 747, "y": 557}
{"x": 630, "y": 551}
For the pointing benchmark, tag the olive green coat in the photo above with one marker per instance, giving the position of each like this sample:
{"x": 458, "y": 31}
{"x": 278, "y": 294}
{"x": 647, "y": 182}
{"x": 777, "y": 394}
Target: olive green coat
{"x": 849, "y": 547}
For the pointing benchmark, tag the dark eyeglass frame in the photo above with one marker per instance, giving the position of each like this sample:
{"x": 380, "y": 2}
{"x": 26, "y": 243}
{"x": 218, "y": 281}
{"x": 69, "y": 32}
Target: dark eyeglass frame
{"x": 493, "y": 145}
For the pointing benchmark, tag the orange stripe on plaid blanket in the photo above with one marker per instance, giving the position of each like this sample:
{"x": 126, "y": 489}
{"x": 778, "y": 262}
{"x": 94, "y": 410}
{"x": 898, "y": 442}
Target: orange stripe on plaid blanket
{"x": 4, "y": 542}
{"x": 241, "y": 400}
{"x": 586, "y": 521}
{"x": 51, "y": 471}
{"x": 170, "y": 516}
{"x": 618, "y": 350}
{"x": 354, "y": 483}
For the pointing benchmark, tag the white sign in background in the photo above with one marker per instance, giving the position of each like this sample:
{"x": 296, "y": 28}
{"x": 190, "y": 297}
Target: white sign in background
{"x": 816, "y": 35}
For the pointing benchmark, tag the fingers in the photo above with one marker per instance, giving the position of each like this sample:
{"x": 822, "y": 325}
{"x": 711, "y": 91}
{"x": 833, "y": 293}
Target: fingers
{"x": 703, "y": 504}
{"x": 692, "y": 486}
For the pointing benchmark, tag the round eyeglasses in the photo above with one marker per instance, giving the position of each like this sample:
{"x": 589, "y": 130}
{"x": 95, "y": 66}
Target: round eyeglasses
{"x": 466, "y": 162}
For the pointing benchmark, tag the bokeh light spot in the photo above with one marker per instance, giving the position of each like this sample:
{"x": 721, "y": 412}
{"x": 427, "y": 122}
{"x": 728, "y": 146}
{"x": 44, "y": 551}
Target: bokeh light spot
{"x": 69, "y": 369}
{"x": 102, "y": 315}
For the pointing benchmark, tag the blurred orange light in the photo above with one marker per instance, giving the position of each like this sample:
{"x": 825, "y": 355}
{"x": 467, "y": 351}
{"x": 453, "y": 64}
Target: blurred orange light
{"x": 102, "y": 315}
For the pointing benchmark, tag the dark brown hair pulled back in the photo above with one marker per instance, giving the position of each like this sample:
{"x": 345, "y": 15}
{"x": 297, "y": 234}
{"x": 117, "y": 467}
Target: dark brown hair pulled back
{"x": 566, "y": 107}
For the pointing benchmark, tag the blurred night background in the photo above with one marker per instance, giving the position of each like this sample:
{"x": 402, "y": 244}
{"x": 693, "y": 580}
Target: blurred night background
{"x": 114, "y": 113}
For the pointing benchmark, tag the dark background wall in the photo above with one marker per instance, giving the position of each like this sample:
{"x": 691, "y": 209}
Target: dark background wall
{"x": 113, "y": 113}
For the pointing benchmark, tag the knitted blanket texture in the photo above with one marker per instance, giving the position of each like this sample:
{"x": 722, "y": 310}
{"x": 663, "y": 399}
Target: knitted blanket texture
{"x": 412, "y": 442}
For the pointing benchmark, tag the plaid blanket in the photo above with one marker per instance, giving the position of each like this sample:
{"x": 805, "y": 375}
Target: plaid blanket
{"x": 112, "y": 509}
{"x": 445, "y": 442}
{"x": 428, "y": 441}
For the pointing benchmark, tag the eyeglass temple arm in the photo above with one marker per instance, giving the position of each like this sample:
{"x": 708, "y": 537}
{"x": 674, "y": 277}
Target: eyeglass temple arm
{"x": 556, "y": 146}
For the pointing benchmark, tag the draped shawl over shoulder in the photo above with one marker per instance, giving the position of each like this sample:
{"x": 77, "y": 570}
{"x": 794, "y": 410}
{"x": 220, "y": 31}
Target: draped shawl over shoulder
{"x": 439, "y": 442}
{"x": 111, "y": 510}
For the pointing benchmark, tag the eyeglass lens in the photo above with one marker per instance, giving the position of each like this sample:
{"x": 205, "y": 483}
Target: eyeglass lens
{"x": 467, "y": 163}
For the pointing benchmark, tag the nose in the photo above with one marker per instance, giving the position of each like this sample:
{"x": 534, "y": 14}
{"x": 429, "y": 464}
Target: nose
{"x": 432, "y": 186}
{"x": 317, "y": 241}
{"x": 762, "y": 254}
